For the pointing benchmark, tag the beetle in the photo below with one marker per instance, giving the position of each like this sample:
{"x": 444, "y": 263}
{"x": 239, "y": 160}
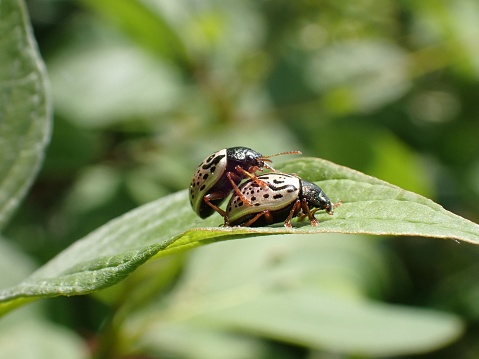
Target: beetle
{"x": 286, "y": 196}
{"x": 219, "y": 174}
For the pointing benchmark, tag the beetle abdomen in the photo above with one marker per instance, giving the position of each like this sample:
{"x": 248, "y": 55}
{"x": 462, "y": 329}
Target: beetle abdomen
{"x": 278, "y": 197}
{"x": 209, "y": 174}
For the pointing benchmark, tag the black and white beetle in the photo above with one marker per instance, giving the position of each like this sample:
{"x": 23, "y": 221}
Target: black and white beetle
{"x": 285, "y": 197}
{"x": 219, "y": 174}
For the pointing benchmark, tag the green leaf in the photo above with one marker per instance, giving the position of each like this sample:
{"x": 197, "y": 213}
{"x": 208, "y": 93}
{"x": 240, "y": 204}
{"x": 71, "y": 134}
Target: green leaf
{"x": 309, "y": 290}
{"x": 183, "y": 340}
{"x": 99, "y": 101}
{"x": 27, "y": 328}
{"x": 24, "y": 107}
{"x": 320, "y": 320}
{"x": 361, "y": 85}
{"x": 145, "y": 25}
{"x": 33, "y": 338}
{"x": 11, "y": 257}
{"x": 168, "y": 225}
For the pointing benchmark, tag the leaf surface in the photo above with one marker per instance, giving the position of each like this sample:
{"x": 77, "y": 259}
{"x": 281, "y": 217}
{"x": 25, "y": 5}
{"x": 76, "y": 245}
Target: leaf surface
{"x": 24, "y": 107}
{"x": 310, "y": 290}
{"x": 168, "y": 225}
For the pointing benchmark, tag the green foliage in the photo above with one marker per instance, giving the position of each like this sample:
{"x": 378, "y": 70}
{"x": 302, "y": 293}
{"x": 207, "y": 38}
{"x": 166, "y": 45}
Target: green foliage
{"x": 144, "y": 90}
{"x": 168, "y": 225}
{"x": 307, "y": 290}
{"x": 24, "y": 108}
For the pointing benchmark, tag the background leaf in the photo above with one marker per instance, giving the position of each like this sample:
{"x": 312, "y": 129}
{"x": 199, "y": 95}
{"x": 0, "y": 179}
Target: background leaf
{"x": 26, "y": 331}
{"x": 41, "y": 340}
{"x": 143, "y": 23}
{"x": 168, "y": 225}
{"x": 310, "y": 290}
{"x": 24, "y": 107}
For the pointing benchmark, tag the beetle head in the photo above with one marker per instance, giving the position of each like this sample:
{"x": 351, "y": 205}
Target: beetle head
{"x": 316, "y": 197}
{"x": 245, "y": 157}
{"x": 251, "y": 160}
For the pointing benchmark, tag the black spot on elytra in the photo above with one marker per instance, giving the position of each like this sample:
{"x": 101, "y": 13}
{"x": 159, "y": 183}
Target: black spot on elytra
{"x": 205, "y": 176}
{"x": 202, "y": 187}
{"x": 278, "y": 196}
{"x": 266, "y": 195}
{"x": 253, "y": 198}
{"x": 212, "y": 161}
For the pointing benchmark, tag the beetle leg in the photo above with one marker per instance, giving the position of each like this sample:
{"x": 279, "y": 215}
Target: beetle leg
{"x": 294, "y": 211}
{"x": 229, "y": 175}
{"x": 266, "y": 213}
{"x": 252, "y": 170}
{"x": 239, "y": 169}
{"x": 301, "y": 216}
{"x": 308, "y": 212}
{"x": 212, "y": 196}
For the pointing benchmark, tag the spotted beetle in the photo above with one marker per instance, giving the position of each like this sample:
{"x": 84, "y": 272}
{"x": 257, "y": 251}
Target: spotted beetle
{"x": 219, "y": 174}
{"x": 285, "y": 197}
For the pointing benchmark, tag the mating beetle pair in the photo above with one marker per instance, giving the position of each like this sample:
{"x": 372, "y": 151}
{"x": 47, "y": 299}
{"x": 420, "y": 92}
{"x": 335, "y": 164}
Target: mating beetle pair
{"x": 261, "y": 200}
{"x": 285, "y": 196}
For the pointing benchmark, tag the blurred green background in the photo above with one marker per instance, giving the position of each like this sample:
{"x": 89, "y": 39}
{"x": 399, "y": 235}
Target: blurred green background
{"x": 144, "y": 90}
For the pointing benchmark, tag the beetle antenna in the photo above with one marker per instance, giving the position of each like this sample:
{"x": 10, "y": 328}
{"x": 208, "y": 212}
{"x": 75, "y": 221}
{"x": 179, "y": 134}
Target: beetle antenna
{"x": 282, "y": 153}
{"x": 266, "y": 158}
